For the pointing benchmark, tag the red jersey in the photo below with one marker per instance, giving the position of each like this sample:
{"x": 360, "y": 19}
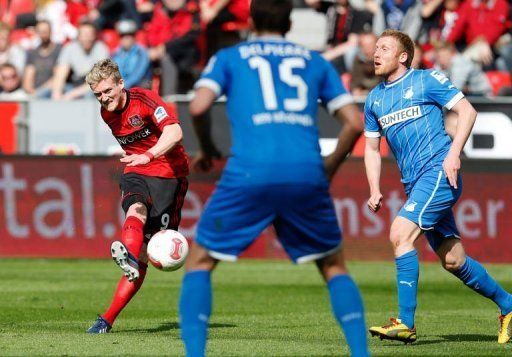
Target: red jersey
{"x": 137, "y": 128}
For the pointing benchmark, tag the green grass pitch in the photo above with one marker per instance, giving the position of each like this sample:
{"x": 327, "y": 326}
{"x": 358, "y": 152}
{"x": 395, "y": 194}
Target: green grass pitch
{"x": 261, "y": 308}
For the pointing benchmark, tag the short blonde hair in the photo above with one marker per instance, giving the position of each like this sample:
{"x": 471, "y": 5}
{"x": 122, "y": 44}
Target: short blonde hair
{"x": 103, "y": 69}
{"x": 404, "y": 41}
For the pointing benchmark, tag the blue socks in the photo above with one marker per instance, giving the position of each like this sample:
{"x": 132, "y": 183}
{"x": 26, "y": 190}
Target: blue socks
{"x": 407, "y": 274}
{"x": 474, "y": 275}
{"x": 347, "y": 306}
{"x": 195, "y": 309}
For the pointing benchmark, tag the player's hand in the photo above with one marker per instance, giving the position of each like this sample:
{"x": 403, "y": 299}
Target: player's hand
{"x": 451, "y": 167}
{"x": 135, "y": 160}
{"x": 375, "y": 202}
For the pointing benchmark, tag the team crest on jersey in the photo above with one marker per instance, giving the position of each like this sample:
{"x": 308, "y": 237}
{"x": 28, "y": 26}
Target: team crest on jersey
{"x": 411, "y": 206}
{"x": 160, "y": 114}
{"x": 408, "y": 93}
{"x": 135, "y": 121}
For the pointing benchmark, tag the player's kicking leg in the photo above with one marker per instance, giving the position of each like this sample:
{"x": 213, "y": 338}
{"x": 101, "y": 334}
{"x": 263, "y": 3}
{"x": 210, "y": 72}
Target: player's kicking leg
{"x": 346, "y": 302}
{"x": 473, "y": 274}
{"x": 403, "y": 235}
{"x": 127, "y": 255}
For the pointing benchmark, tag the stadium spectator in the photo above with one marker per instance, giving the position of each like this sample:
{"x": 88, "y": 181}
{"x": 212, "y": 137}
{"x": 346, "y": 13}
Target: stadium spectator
{"x": 154, "y": 181}
{"x": 363, "y": 73}
{"x": 479, "y": 25}
{"x": 407, "y": 109}
{"x": 216, "y": 15}
{"x": 172, "y": 38}
{"x": 10, "y": 83}
{"x": 75, "y": 60}
{"x": 132, "y": 58}
{"x": 462, "y": 72}
{"x": 109, "y": 12}
{"x": 11, "y": 53}
{"x": 418, "y": 61}
{"x": 37, "y": 79}
{"x": 54, "y": 11}
{"x": 344, "y": 23}
{"x": 275, "y": 174}
{"x": 403, "y": 15}
{"x": 438, "y": 19}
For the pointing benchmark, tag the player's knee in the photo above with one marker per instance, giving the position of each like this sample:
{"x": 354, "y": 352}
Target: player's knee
{"x": 332, "y": 265}
{"x": 453, "y": 262}
{"x": 199, "y": 259}
{"x": 139, "y": 210}
{"x": 397, "y": 237}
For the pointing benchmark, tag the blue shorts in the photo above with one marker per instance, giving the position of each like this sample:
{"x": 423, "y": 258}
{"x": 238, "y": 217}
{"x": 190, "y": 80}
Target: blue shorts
{"x": 303, "y": 216}
{"x": 429, "y": 205}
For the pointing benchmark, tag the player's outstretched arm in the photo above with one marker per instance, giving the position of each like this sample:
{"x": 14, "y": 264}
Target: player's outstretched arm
{"x": 372, "y": 162}
{"x": 171, "y": 135}
{"x": 466, "y": 119}
{"x": 198, "y": 108}
{"x": 352, "y": 129}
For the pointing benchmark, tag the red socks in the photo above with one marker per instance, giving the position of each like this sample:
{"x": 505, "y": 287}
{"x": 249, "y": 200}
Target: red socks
{"x": 124, "y": 293}
{"x": 132, "y": 235}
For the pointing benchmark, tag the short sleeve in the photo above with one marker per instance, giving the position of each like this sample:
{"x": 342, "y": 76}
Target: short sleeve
{"x": 439, "y": 89}
{"x": 371, "y": 124}
{"x": 333, "y": 93}
{"x": 215, "y": 74}
{"x": 161, "y": 113}
{"x": 65, "y": 55}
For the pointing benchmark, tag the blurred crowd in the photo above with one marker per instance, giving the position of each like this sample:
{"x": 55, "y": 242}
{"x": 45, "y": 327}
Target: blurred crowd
{"x": 47, "y": 46}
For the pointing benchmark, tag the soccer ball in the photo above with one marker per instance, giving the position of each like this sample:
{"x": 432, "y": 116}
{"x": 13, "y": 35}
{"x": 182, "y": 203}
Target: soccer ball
{"x": 167, "y": 250}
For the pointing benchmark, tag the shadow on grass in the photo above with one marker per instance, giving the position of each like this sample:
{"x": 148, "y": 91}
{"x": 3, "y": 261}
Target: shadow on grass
{"x": 469, "y": 338}
{"x": 173, "y": 326}
{"x": 445, "y": 339}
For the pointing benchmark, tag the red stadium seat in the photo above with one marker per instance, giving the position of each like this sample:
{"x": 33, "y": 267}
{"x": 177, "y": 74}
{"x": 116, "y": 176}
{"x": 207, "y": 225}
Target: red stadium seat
{"x": 142, "y": 38}
{"x": 10, "y": 9}
{"x": 498, "y": 79}
{"x": 111, "y": 39}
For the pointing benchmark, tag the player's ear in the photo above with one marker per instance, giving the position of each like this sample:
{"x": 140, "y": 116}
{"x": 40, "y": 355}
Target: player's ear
{"x": 121, "y": 83}
{"x": 403, "y": 57}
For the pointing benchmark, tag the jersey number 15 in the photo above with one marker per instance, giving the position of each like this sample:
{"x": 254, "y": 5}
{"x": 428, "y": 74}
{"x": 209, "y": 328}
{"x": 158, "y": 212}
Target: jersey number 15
{"x": 286, "y": 76}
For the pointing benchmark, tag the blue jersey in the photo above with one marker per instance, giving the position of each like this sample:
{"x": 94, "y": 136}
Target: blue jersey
{"x": 272, "y": 88}
{"x": 409, "y": 113}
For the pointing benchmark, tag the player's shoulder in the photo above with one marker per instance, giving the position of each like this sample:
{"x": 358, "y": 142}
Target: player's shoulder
{"x": 432, "y": 74}
{"x": 375, "y": 92}
{"x": 144, "y": 95}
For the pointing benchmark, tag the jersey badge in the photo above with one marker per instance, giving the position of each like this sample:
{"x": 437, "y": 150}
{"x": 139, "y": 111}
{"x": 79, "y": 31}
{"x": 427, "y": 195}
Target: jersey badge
{"x": 135, "y": 121}
{"x": 440, "y": 77}
{"x": 160, "y": 114}
{"x": 408, "y": 93}
{"x": 411, "y": 206}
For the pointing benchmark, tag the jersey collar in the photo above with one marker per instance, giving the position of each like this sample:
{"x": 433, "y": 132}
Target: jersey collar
{"x": 396, "y": 81}
{"x": 119, "y": 111}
